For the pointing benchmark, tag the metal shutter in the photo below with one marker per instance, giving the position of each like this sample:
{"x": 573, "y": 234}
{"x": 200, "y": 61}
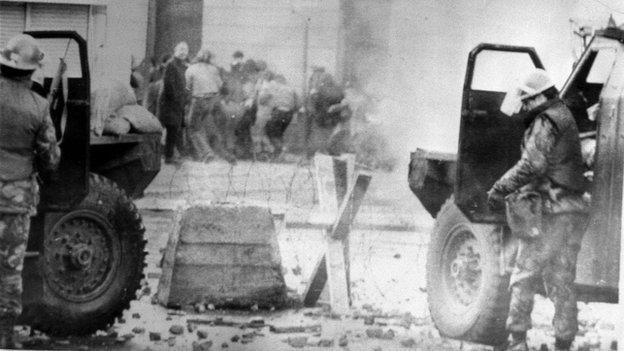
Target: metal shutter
{"x": 60, "y": 17}
{"x": 12, "y": 20}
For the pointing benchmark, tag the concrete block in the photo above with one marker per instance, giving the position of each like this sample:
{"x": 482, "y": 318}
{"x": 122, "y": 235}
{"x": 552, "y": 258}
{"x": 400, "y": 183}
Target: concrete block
{"x": 222, "y": 255}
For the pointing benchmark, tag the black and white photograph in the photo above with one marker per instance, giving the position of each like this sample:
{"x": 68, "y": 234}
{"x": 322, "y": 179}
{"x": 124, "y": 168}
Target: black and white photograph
{"x": 277, "y": 175}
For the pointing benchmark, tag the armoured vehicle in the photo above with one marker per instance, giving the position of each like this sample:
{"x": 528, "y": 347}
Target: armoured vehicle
{"x": 85, "y": 255}
{"x": 471, "y": 247}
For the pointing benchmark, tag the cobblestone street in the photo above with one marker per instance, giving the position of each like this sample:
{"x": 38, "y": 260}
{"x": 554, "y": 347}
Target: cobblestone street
{"x": 388, "y": 253}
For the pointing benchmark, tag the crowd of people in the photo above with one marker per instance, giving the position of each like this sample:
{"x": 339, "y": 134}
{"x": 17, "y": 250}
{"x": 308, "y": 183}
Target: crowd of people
{"x": 241, "y": 112}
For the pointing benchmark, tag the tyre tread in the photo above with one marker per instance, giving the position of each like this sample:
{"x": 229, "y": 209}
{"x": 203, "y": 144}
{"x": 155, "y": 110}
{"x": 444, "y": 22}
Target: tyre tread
{"x": 489, "y": 327}
{"x": 57, "y": 324}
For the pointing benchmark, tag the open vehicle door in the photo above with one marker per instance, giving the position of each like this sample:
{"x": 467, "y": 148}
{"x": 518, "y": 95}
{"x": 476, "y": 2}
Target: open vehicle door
{"x": 70, "y": 114}
{"x": 489, "y": 140}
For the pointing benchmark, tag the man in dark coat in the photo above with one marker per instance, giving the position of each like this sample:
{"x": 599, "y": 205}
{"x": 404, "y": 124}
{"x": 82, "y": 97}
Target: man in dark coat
{"x": 172, "y": 103}
{"x": 550, "y": 171}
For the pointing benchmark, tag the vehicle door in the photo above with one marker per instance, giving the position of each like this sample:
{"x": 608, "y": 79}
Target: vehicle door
{"x": 64, "y": 188}
{"x": 489, "y": 142}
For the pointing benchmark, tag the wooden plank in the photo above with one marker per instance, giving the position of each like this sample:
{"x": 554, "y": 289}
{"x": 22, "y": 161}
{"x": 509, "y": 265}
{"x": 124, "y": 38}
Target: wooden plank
{"x": 339, "y": 237}
{"x": 337, "y": 277}
{"x": 317, "y": 283}
{"x": 337, "y": 271}
{"x": 325, "y": 175}
{"x": 168, "y": 263}
{"x": 344, "y": 167}
{"x": 326, "y": 186}
{"x": 620, "y": 324}
{"x": 348, "y": 209}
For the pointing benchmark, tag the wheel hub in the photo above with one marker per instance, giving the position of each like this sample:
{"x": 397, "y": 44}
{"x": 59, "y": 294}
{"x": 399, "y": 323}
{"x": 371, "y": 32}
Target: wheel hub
{"x": 463, "y": 273}
{"x": 80, "y": 255}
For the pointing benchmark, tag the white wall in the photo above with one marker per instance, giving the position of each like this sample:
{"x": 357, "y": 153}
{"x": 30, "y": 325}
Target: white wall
{"x": 120, "y": 32}
{"x": 273, "y": 31}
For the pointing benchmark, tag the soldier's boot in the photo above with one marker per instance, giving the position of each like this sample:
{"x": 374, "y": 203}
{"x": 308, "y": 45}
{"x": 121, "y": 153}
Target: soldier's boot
{"x": 518, "y": 342}
{"x": 7, "y": 340}
{"x": 562, "y": 345}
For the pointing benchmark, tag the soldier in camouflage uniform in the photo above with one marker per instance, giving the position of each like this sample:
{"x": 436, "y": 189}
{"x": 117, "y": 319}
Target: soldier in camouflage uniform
{"x": 551, "y": 166}
{"x": 27, "y": 141}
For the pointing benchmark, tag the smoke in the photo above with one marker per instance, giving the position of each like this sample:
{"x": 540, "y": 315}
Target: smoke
{"x": 410, "y": 57}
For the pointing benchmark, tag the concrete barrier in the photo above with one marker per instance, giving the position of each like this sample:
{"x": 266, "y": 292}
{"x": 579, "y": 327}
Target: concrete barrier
{"x": 224, "y": 255}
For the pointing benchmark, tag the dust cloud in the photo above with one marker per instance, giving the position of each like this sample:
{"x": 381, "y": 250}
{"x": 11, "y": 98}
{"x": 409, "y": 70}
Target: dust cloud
{"x": 411, "y": 56}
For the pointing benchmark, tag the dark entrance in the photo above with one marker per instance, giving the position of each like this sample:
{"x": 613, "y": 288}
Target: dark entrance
{"x": 176, "y": 21}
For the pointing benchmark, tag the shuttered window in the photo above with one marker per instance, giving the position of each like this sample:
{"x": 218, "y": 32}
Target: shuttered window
{"x": 59, "y": 17}
{"x": 16, "y": 17}
{"x": 12, "y": 20}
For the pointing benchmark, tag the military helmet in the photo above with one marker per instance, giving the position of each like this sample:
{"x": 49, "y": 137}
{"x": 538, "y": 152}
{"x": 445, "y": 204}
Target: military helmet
{"x": 22, "y": 52}
{"x": 534, "y": 83}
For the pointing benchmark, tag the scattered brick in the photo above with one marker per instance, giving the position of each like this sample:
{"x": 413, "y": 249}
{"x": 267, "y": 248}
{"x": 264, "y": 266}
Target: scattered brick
{"x": 297, "y": 342}
{"x": 343, "y": 341}
{"x": 176, "y": 329}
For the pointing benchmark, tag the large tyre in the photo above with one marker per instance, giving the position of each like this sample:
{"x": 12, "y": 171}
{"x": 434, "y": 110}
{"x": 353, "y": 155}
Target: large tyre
{"x": 468, "y": 298}
{"x": 93, "y": 260}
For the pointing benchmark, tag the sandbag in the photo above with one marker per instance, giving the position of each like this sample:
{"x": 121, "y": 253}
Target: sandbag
{"x": 141, "y": 120}
{"x": 116, "y": 126}
{"x": 106, "y": 98}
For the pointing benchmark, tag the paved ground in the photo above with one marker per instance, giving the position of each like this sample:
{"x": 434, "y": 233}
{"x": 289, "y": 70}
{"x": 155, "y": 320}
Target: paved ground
{"x": 388, "y": 249}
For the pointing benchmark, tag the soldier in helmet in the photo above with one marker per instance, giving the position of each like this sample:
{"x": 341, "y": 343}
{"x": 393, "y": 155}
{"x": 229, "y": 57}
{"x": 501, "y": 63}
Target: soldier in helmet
{"x": 545, "y": 209}
{"x": 27, "y": 145}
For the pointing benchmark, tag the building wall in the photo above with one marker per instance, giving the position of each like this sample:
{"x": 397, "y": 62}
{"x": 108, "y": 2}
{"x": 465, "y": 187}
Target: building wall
{"x": 120, "y": 35}
{"x": 176, "y": 21}
{"x": 273, "y": 31}
{"x": 116, "y": 30}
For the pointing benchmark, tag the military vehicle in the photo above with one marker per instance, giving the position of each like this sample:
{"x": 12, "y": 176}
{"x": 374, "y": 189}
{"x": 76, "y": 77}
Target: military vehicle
{"x": 86, "y": 251}
{"x": 471, "y": 247}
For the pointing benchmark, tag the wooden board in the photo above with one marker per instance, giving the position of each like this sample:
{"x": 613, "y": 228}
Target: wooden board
{"x": 620, "y": 325}
{"x": 333, "y": 267}
{"x": 317, "y": 283}
{"x": 348, "y": 209}
{"x": 337, "y": 277}
{"x": 325, "y": 186}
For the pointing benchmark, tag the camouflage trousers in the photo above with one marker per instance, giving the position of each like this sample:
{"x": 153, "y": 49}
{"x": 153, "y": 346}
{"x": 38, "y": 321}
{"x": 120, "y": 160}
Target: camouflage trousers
{"x": 14, "y": 228}
{"x": 549, "y": 259}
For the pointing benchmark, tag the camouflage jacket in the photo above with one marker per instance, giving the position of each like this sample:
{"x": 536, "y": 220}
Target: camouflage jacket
{"x": 531, "y": 172}
{"x": 27, "y": 145}
{"x": 19, "y": 196}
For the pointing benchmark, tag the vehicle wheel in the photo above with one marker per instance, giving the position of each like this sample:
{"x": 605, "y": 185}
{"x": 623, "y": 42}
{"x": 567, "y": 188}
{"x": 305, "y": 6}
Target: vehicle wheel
{"x": 468, "y": 298}
{"x": 93, "y": 261}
